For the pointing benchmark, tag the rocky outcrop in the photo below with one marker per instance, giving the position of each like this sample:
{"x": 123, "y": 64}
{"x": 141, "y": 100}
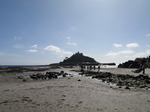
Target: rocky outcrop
{"x": 135, "y": 63}
{"x": 129, "y": 64}
{"x": 78, "y": 59}
{"x": 45, "y": 76}
{"x": 127, "y": 81}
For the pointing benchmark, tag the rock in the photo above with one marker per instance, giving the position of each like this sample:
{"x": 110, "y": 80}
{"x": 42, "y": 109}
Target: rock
{"x": 127, "y": 87}
{"x": 80, "y": 102}
{"x": 24, "y": 80}
{"x": 51, "y": 75}
{"x": 79, "y": 80}
{"x": 120, "y": 83}
{"x": 62, "y": 72}
{"x": 141, "y": 81}
{"x": 103, "y": 80}
{"x": 143, "y": 86}
{"x": 20, "y": 77}
{"x": 120, "y": 86}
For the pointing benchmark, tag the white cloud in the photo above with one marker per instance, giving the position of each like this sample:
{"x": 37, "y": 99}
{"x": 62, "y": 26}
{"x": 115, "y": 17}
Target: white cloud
{"x": 18, "y": 46}
{"x": 126, "y": 52}
{"x": 125, "y": 55}
{"x": 72, "y": 44}
{"x": 17, "y": 38}
{"x": 117, "y": 45}
{"x": 8, "y": 54}
{"x": 34, "y": 46}
{"x": 113, "y": 54}
{"x": 147, "y": 45}
{"x": 32, "y": 50}
{"x": 142, "y": 54}
{"x": 132, "y": 45}
{"x": 58, "y": 50}
{"x": 53, "y": 48}
{"x": 147, "y": 35}
{"x": 68, "y": 38}
{"x": 148, "y": 52}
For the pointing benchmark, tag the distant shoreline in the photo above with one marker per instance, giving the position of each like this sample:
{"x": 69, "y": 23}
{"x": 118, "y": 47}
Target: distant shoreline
{"x": 22, "y": 65}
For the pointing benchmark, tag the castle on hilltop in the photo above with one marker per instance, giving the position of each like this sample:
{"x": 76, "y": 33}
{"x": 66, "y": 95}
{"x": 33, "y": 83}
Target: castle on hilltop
{"x": 79, "y": 59}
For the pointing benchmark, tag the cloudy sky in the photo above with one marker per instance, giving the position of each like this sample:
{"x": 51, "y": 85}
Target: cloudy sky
{"x": 47, "y": 31}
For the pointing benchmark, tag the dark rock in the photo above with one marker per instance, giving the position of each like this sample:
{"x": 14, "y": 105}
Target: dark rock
{"x": 80, "y": 102}
{"x": 51, "y": 75}
{"x": 62, "y": 72}
{"x": 48, "y": 75}
{"x": 127, "y": 87}
{"x": 141, "y": 81}
{"x": 103, "y": 80}
{"x": 79, "y": 80}
{"x": 24, "y": 80}
{"x": 143, "y": 86}
{"x": 64, "y": 75}
{"x": 120, "y": 83}
{"x": 135, "y": 63}
{"x": 120, "y": 86}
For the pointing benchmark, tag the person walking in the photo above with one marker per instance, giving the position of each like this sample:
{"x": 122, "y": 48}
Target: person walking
{"x": 143, "y": 68}
{"x": 99, "y": 68}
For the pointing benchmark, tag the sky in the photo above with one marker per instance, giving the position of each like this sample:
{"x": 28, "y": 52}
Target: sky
{"x": 35, "y": 32}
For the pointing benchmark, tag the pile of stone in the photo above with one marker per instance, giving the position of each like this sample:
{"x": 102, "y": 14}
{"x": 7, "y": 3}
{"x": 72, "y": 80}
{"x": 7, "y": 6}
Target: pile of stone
{"x": 48, "y": 75}
{"x": 45, "y": 76}
{"x": 127, "y": 81}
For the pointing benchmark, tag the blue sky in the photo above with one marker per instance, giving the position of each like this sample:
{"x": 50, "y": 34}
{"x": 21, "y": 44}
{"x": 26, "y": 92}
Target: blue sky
{"x": 47, "y": 31}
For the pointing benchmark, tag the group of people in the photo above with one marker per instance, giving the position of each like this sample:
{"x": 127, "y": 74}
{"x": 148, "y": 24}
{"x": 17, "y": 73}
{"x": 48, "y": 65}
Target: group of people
{"x": 90, "y": 68}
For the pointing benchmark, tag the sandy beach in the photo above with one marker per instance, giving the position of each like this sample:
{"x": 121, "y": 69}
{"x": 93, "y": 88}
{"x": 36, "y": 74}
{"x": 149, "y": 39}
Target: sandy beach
{"x": 70, "y": 94}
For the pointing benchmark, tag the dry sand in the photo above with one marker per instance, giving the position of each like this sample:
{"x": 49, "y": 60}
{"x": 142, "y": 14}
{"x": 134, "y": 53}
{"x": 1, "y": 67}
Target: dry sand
{"x": 70, "y": 94}
{"x": 124, "y": 71}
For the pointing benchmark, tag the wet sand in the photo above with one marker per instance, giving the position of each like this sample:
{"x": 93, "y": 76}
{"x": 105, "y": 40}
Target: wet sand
{"x": 70, "y": 94}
